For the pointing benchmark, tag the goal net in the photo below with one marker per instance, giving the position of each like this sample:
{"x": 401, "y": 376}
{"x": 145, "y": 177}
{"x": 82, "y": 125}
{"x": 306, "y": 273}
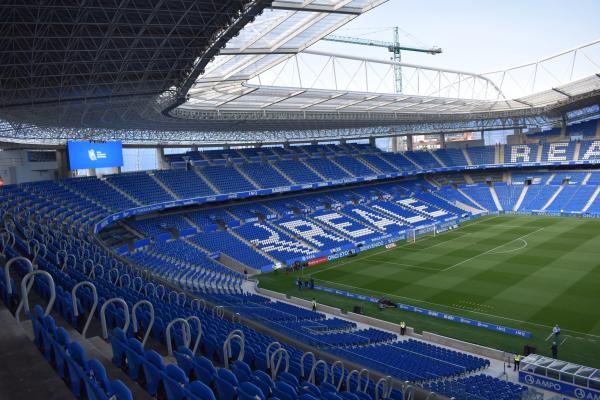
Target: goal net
{"x": 413, "y": 234}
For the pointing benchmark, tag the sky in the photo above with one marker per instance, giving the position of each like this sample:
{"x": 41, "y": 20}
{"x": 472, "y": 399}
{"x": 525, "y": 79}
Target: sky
{"x": 477, "y": 35}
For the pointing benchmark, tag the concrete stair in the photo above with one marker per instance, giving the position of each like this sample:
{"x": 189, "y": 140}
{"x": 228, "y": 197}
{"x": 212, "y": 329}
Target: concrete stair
{"x": 206, "y": 180}
{"x": 577, "y": 150}
{"x": 282, "y": 172}
{"x": 165, "y": 187}
{"x": 467, "y": 156}
{"x": 245, "y": 175}
{"x": 411, "y": 160}
{"x": 521, "y": 198}
{"x": 560, "y": 189}
{"x": 439, "y": 160}
{"x": 314, "y": 170}
{"x": 368, "y": 164}
{"x": 591, "y": 200}
{"x": 496, "y": 200}
{"x": 124, "y": 193}
{"x": 470, "y": 198}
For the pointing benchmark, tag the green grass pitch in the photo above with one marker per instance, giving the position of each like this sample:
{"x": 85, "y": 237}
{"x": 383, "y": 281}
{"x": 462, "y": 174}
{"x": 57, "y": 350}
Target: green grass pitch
{"x": 524, "y": 272}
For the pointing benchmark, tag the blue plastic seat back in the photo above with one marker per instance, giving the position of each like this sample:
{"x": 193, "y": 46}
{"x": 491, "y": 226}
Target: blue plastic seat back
{"x": 242, "y": 371}
{"x": 120, "y": 390}
{"x": 311, "y": 389}
{"x": 330, "y": 396}
{"x": 77, "y": 365}
{"x": 288, "y": 378}
{"x": 226, "y": 383}
{"x": 285, "y": 391}
{"x": 153, "y": 371}
{"x": 118, "y": 343}
{"x": 184, "y": 358}
{"x": 199, "y": 391}
{"x": 249, "y": 391}
{"x": 175, "y": 381}
{"x": 327, "y": 388}
{"x": 135, "y": 357}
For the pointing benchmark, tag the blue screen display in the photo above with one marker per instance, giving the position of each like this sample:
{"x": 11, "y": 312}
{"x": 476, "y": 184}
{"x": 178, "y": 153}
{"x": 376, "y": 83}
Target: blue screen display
{"x": 84, "y": 155}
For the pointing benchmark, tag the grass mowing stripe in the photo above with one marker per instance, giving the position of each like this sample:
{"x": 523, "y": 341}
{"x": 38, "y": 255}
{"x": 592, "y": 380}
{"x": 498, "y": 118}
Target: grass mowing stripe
{"x": 486, "y": 252}
{"x": 552, "y": 280}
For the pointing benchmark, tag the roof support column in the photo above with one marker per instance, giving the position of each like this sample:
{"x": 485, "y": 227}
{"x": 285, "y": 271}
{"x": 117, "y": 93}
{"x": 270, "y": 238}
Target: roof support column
{"x": 409, "y": 142}
{"x": 63, "y": 164}
{"x": 442, "y": 140}
{"x": 563, "y": 126}
{"x": 161, "y": 160}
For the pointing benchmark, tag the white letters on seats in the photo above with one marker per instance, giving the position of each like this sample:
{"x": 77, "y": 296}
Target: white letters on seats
{"x": 519, "y": 153}
{"x": 558, "y": 152}
{"x": 593, "y": 151}
{"x": 344, "y": 226}
{"x": 375, "y": 219}
{"x": 275, "y": 243}
{"x": 310, "y": 231}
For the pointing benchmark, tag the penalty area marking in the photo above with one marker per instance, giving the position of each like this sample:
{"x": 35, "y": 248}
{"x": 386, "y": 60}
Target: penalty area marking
{"x": 523, "y": 245}
{"x": 490, "y": 250}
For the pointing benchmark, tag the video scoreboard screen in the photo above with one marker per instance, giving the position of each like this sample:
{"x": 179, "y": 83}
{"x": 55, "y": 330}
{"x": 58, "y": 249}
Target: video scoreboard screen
{"x": 83, "y": 155}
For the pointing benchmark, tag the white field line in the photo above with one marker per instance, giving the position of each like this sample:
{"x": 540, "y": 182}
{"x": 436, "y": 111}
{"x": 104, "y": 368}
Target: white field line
{"x": 457, "y": 309}
{"x": 490, "y": 250}
{"x": 408, "y": 265}
{"x": 404, "y": 245}
{"x": 524, "y": 244}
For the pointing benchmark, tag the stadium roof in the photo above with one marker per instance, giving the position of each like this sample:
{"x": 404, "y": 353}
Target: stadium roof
{"x": 148, "y": 72}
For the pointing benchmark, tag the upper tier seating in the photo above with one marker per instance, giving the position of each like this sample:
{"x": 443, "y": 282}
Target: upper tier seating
{"x": 424, "y": 159}
{"x": 297, "y": 171}
{"x": 590, "y": 150}
{"x": 379, "y": 163}
{"x": 561, "y": 151}
{"x": 160, "y": 224}
{"x": 398, "y": 160}
{"x": 101, "y": 191}
{"x": 264, "y": 175}
{"x": 141, "y": 187}
{"x": 227, "y": 179}
{"x": 451, "y": 157}
{"x": 326, "y": 168}
{"x": 354, "y": 166}
{"x": 520, "y": 153}
{"x": 185, "y": 184}
{"x": 482, "y": 155}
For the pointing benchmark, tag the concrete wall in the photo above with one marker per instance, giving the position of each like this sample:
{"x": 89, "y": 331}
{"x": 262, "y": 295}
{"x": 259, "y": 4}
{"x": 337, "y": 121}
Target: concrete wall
{"x": 16, "y": 168}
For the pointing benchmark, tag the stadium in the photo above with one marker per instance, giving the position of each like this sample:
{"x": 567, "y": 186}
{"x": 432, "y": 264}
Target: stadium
{"x": 252, "y": 200}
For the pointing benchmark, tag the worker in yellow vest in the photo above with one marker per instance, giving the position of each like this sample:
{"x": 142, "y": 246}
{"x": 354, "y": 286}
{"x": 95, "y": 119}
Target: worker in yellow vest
{"x": 517, "y": 362}
{"x": 402, "y": 328}
{"x": 314, "y": 304}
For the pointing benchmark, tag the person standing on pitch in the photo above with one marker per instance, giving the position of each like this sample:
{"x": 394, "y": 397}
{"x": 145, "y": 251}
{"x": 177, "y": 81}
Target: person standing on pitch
{"x": 554, "y": 350}
{"x": 556, "y": 332}
{"x": 314, "y": 304}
